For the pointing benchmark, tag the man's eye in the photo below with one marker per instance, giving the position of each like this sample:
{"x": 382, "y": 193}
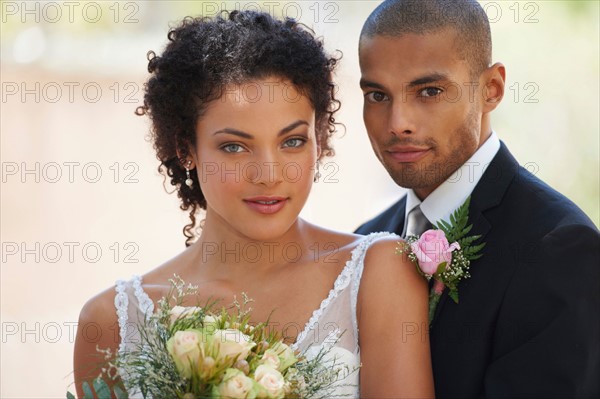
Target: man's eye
{"x": 232, "y": 148}
{"x": 430, "y": 92}
{"x": 294, "y": 142}
{"x": 376, "y": 97}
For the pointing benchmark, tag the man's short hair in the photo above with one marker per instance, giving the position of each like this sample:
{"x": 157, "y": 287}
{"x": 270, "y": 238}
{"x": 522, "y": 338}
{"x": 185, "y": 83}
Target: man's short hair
{"x": 467, "y": 18}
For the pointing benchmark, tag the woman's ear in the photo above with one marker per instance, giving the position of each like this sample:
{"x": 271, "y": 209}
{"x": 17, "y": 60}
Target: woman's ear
{"x": 188, "y": 163}
{"x": 495, "y": 78}
{"x": 186, "y": 159}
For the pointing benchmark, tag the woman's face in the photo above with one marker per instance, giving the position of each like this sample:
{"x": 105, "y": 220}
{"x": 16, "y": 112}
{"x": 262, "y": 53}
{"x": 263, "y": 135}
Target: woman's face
{"x": 255, "y": 157}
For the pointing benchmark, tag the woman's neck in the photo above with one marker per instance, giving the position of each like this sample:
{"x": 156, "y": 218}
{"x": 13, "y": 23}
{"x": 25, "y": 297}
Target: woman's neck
{"x": 221, "y": 247}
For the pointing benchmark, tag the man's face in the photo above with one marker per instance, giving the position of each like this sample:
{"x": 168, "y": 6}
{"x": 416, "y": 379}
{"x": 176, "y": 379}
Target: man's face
{"x": 422, "y": 109}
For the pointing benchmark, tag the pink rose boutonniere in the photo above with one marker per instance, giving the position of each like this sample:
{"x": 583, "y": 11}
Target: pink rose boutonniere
{"x": 444, "y": 254}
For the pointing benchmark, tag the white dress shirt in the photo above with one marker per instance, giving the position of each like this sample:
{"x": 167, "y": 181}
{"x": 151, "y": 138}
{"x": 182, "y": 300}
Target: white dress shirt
{"x": 453, "y": 192}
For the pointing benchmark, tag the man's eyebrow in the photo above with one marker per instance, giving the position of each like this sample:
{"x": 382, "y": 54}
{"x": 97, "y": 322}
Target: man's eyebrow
{"x": 364, "y": 83}
{"x": 435, "y": 77}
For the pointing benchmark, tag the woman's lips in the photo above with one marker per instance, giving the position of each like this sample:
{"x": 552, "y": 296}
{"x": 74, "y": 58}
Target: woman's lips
{"x": 266, "y": 205}
{"x": 407, "y": 154}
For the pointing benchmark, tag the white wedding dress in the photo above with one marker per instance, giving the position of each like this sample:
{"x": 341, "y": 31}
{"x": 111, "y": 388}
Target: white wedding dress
{"x": 333, "y": 325}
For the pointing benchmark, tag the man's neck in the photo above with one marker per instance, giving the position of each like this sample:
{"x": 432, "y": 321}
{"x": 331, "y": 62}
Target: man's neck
{"x": 486, "y": 132}
{"x": 439, "y": 203}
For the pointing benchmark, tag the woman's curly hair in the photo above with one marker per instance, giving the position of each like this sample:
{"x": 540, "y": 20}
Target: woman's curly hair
{"x": 205, "y": 54}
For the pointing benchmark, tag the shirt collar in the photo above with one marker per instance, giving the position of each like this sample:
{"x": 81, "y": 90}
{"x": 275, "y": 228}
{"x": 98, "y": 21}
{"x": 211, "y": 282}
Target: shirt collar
{"x": 453, "y": 192}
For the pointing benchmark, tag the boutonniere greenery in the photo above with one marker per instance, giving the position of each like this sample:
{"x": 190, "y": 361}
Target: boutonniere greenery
{"x": 444, "y": 254}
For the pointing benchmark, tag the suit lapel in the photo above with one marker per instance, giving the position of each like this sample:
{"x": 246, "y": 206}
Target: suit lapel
{"x": 396, "y": 222}
{"x": 487, "y": 194}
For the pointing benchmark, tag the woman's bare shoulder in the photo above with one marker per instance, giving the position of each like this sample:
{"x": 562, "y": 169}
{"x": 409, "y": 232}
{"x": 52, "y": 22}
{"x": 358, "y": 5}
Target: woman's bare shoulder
{"x": 97, "y": 328}
{"x": 100, "y": 308}
{"x": 383, "y": 263}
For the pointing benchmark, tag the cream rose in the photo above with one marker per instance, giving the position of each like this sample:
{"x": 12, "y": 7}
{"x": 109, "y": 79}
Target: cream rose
{"x": 271, "y": 381}
{"x": 235, "y": 385}
{"x": 271, "y": 359}
{"x": 184, "y": 348}
{"x": 232, "y": 344}
{"x": 286, "y": 355}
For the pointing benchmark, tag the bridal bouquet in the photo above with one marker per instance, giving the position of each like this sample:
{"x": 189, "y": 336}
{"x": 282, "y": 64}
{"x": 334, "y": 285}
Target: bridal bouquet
{"x": 444, "y": 254}
{"x": 190, "y": 352}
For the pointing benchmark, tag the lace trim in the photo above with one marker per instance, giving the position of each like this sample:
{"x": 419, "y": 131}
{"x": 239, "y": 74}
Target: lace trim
{"x": 358, "y": 276}
{"x": 146, "y": 304}
{"x": 339, "y": 285}
{"x": 122, "y": 305}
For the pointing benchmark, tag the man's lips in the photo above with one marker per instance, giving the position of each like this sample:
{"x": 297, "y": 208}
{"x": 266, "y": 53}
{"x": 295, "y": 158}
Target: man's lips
{"x": 407, "y": 153}
{"x": 266, "y": 204}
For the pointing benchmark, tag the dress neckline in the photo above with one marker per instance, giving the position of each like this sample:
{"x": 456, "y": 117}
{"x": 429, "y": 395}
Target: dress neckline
{"x": 341, "y": 282}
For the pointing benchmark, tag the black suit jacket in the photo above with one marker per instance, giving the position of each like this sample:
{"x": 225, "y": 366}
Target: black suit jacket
{"x": 527, "y": 325}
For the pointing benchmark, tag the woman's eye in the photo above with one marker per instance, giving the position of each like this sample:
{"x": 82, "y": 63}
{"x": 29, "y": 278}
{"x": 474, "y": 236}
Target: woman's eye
{"x": 376, "y": 97}
{"x": 232, "y": 148}
{"x": 294, "y": 143}
{"x": 430, "y": 92}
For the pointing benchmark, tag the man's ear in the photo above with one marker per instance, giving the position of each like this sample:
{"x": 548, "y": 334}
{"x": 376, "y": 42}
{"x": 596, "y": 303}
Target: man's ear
{"x": 494, "y": 80}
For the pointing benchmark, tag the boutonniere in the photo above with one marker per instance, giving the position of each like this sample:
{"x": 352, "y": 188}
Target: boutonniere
{"x": 444, "y": 254}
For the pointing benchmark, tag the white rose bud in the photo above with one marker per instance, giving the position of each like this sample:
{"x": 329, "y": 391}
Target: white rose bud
{"x": 210, "y": 324}
{"x": 232, "y": 344}
{"x": 207, "y": 368}
{"x": 235, "y": 385}
{"x": 183, "y": 312}
{"x": 208, "y": 362}
{"x": 243, "y": 366}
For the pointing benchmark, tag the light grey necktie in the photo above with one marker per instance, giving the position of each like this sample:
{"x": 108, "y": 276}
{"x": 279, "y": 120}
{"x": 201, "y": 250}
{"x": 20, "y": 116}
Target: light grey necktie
{"x": 417, "y": 222}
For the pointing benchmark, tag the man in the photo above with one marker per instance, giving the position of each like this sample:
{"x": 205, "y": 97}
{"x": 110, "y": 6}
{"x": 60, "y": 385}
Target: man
{"x": 527, "y": 324}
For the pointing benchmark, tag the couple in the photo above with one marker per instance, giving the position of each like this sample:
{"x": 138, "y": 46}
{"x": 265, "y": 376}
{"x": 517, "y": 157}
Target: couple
{"x": 527, "y": 321}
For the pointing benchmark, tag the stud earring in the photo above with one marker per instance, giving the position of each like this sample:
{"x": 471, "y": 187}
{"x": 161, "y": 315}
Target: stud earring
{"x": 317, "y": 173}
{"x": 188, "y": 182}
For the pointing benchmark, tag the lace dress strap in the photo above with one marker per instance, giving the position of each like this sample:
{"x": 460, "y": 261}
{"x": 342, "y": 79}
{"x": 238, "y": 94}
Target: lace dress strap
{"x": 122, "y": 304}
{"x": 130, "y": 300}
{"x": 359, "y": 266}
{"x": 350, "y": 274}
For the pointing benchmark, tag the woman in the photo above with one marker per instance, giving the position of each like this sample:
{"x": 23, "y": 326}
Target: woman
{"x": 242, "y": 110}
